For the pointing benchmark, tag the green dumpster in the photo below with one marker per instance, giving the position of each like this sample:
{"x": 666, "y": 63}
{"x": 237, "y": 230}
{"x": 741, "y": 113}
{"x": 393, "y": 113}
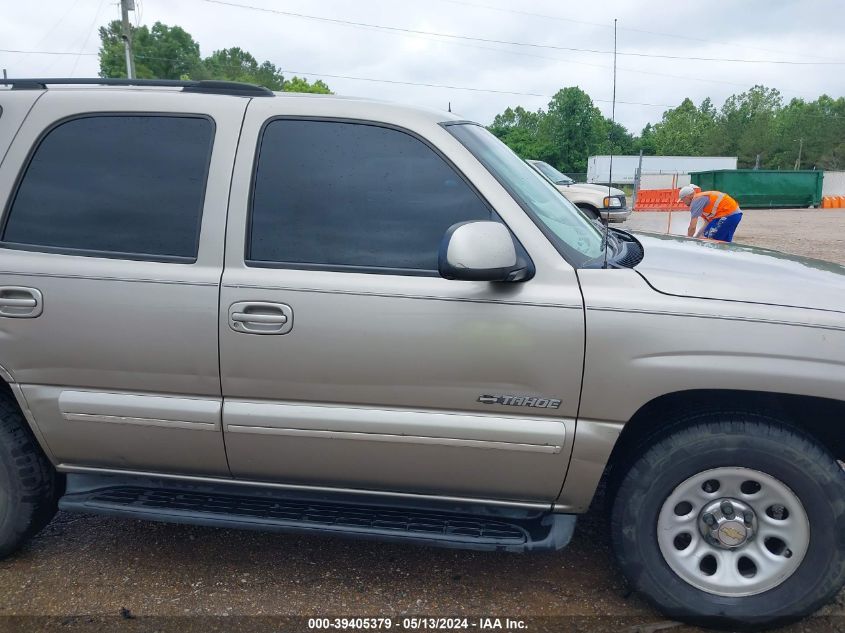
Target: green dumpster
{"x": 764, "y": 188}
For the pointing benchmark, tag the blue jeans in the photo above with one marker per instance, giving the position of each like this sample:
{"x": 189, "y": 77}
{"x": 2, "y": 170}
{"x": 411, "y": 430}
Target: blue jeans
{"x": 723, "y": 228}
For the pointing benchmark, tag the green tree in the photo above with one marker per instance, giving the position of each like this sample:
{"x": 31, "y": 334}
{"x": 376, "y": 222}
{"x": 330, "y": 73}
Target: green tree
{"x": 236, "y": 64}
{"x": 618, "y": 140}
{"x": 754, "y": 122}
{"x": 746, "y": 126}
{"x": 565, "y": 135}
{"x": 646, "y": 141}
{"x": 165, "y": 52}
{"x": 818, "y": 127}
{"x": 682, "y": 130}
{"x": 299, "y": 84}
{"x": 161, "y": 52}
{"x": 576, "y": 129}
{"x": 826, "y": 138}
{"x": 520, "y": 130}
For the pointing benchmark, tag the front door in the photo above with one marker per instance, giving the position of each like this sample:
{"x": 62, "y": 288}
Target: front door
{"x": 348, "y": 362}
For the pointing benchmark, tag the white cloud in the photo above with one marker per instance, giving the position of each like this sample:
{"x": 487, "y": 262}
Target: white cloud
{"x": 755, "y": 29}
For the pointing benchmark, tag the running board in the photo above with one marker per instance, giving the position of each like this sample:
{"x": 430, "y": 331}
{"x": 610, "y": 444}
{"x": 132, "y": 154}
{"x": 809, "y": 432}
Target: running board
{"x": 230, "y": 508}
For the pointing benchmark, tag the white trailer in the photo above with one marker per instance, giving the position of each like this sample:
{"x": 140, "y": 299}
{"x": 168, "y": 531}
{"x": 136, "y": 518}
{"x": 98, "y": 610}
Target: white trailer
{"x": 625, "y": 167}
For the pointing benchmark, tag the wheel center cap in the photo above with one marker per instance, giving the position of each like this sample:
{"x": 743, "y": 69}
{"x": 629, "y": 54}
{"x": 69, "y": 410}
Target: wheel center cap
{"x": 732, "y": 533}
{"x": 728, "y": 523}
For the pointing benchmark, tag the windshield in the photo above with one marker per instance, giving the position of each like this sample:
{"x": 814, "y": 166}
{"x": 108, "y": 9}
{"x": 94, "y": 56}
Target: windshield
{"x": 575, "y": 237}
{"x": 551, "y": 173}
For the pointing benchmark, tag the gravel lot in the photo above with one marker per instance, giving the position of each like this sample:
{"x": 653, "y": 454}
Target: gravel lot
{"x": 818, "y": 233}
{"x": 99, "y": 573}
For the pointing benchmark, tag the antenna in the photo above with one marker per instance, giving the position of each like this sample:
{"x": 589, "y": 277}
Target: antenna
{"x": 610, "y": 138}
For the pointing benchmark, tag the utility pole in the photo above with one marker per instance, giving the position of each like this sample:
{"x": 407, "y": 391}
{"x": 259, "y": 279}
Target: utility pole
{"x": 800, "y": 148}
{"x": 125, "y": 7}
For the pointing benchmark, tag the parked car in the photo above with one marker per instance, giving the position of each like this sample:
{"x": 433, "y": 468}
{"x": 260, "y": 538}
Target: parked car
{"x": 597, "y": 201}
{"x": 229, "y": 307}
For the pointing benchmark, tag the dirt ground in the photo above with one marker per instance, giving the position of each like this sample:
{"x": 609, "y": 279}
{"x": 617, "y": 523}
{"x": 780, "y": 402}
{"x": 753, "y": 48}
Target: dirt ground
{"x": 818, "y": 233}
{"x": 95, "y": 573}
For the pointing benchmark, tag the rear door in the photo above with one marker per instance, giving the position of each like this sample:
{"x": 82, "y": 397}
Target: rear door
{"x": 110, "y": 262}
{"x": 346, "y": 360}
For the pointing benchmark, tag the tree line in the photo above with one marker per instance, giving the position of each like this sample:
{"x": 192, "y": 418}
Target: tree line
{"x": 170, "y": 52}
{"x": 754, "y": 123}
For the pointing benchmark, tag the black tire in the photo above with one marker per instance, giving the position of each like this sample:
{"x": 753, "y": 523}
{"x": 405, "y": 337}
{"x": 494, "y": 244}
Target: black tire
{"x": 28, "y": 485}
{"x": 707, "y": 441}
{"x": 591, "y": 212}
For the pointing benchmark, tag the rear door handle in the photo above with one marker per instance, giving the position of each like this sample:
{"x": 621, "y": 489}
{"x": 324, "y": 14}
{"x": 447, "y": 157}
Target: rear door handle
{"x": 18, "y": 302}
{"x": 260, "y": 317}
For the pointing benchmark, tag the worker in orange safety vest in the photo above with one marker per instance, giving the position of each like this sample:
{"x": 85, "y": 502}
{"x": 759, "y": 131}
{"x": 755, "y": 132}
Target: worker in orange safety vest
{"x": 720, "y": 212}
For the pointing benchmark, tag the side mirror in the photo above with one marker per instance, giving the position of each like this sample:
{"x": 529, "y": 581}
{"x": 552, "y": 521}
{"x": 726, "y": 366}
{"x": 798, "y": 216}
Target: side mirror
{"x": 480, "y": 251}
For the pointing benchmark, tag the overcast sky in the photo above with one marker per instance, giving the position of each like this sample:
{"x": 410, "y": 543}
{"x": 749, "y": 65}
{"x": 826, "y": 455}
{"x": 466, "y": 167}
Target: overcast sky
{"x": 796, "y": 31}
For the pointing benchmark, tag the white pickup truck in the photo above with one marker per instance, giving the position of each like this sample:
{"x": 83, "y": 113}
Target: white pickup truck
{"x": 596, "y": 201}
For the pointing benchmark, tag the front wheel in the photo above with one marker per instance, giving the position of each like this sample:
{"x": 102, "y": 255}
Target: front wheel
{"x": 735, "y": 520}
{"x": 590, "y": 211}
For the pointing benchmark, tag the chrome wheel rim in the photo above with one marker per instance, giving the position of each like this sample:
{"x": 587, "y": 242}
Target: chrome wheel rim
{"x": 733, "y": 531}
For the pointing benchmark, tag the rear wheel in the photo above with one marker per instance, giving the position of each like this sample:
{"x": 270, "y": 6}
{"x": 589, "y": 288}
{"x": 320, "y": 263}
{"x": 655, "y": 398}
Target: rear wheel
{"x": 28, "y": 489}
{"x": 734, "y": 520}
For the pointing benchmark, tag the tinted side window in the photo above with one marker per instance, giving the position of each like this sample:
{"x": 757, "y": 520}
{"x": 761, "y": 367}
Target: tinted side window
{"x": 331, "y": 194}
{"x": 116, "y": 186}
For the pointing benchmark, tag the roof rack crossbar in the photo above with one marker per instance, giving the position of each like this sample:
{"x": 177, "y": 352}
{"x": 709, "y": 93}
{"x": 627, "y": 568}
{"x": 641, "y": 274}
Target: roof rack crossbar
{"x": 202, "y": 86}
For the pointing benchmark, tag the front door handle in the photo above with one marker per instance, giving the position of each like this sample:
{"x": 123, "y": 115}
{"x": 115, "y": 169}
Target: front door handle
{"x": 251, "y": 317}
{"x": 18, "y": 302}
{"x": 260, "y": 317}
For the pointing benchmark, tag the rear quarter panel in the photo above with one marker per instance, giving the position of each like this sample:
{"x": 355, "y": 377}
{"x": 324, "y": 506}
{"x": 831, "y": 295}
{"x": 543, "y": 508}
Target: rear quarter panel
{"x": 14, "y": 106}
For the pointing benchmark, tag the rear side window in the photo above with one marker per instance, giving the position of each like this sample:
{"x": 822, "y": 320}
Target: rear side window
{"x": 352, "y": 196}
{"x": 115, "y": 186}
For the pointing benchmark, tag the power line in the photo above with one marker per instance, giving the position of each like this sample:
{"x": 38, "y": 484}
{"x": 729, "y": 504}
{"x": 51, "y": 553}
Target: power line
{"x": 622, "y": 28}
{"x": 536, "y": 56}
{"x": 426, "y": 35}
{"x": 400, "y": 82}
{"x": 49, "y": 32}
{"x": 397, "y": 29}
{"x": 500, "y": 50}
{"x": 14, "y": 50}
{"x": 87, "y": 37}
{"x": 448, "y": 87}
{"x": 61, "y": 20}
{"x": 603, "y": 66}
{"x": 486, "y": 48}
{"x": 381, "y": 80}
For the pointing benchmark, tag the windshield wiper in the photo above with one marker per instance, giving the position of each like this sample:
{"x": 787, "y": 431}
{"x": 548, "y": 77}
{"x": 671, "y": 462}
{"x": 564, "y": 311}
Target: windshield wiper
{"x": 625, "y": 251}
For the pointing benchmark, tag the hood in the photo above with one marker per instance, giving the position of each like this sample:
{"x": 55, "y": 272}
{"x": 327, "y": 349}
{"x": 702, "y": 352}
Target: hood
{"x": 588, "y": 188}
{"x": 715, "y": 270}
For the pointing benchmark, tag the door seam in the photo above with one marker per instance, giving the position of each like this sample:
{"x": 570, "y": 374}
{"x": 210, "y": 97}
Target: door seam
{"x": 220, "y": 289}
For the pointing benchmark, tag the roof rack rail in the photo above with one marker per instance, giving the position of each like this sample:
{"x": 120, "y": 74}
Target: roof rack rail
{"x": 203, "y": 86}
